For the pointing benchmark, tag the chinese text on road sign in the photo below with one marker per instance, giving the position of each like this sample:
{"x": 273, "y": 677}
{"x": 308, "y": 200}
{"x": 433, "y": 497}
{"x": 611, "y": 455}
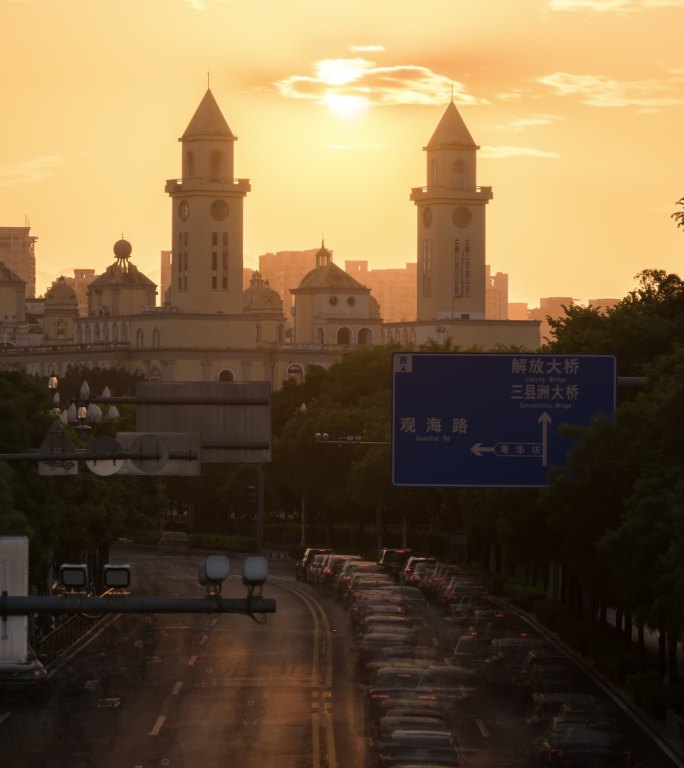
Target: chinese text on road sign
{"x": 491, "y": 419}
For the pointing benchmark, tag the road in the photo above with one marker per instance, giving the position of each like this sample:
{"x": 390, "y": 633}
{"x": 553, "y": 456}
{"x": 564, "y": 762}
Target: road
{"x": 216, "y": 690}
{"x": 198, "y": 690}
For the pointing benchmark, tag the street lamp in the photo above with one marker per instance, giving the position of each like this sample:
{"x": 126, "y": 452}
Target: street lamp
{"x": 53, "y": 383}
{"x": 84, "y": 411}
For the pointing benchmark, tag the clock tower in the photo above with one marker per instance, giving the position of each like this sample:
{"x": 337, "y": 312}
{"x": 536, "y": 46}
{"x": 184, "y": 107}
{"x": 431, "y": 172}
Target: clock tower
{"x": 451, "y": 226}
{"x": 207, "y": 218}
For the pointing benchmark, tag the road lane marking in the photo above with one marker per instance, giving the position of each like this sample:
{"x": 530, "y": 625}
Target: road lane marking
{"x": 204, "y": 639}
{"x": 482, "y": 728}
{"x": 176, "y": 688}
{"x": 191, "y": 661}
{"x": 158, "y": 725}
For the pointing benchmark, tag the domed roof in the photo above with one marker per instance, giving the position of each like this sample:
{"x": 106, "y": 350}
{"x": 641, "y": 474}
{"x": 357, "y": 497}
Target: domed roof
{"x": 330, "y": 276}
{"x": 260, "y": 297}
{"x": 122, "y": 272}
{"x": 60, "y": 295}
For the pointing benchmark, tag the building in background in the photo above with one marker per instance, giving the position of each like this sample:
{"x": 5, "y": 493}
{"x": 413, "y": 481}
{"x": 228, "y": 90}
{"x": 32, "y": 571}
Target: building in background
{"x": 212, "y": 325}
{"x": 164, "y": 275}
{"x": 17, "y": 252}
{"x": 496, "y": 291}
{"x": 393, "y": 288}
{"x": 80, "y": 282}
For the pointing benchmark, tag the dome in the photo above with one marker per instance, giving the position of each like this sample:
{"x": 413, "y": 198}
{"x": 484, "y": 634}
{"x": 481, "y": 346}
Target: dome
{"x": 61, "y": 294}
{"x": 260, "y": 297}
{"x": 122, "y": 249}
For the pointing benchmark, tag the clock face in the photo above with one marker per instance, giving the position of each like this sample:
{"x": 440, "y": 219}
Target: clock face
{"x": 427, "y": 217}
{"x": 461, "y": 217}
{"x": 219, "y": 210}
{"x": 184, "y": 209}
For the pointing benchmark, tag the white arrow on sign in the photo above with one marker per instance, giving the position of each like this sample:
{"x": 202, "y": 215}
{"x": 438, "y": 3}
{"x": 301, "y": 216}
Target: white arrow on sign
{"x": 520, "y": 450}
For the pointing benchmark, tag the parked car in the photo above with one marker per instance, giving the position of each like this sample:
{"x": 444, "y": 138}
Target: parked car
{"x": 391, "y": 561}
{"x": 302, "y": 566}
{"x": 24, "y": 681}
{"x": 174, "y": 541}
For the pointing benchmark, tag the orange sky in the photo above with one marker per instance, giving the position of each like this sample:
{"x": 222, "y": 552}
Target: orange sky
{"x": 578, "y": 106}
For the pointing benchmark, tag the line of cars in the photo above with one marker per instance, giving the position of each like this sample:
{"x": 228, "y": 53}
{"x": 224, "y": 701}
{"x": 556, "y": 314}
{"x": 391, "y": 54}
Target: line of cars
{"x": 418, "y": 694}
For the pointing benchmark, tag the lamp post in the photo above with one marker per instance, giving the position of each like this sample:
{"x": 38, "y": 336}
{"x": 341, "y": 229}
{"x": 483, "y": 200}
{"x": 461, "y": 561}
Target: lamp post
{"x": 84, "y": 411}
{"x": 302, "y": 541}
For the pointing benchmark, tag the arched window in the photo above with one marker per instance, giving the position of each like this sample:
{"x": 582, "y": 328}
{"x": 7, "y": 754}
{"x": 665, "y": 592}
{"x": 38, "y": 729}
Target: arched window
{"x": 105, "y": 333}
{"x": 124, "y": 332}
{"x": 295, "y": 373}
{"x": 365, "y": 338}
{"x": 320, "y": 337}
{"x": 79, "y": 334}
{"x": 344, "y": 337}
{"x": 86, "y": 337}
{"x": 115, "y": 332}
{"x": 225, "y": 375}
{"x": 139, "y": 338}
{"x": 155, "y": 338}
{"x": 216, "y": 166}
{"x": 61, "y": 329}
{"x": 190, "y": 164}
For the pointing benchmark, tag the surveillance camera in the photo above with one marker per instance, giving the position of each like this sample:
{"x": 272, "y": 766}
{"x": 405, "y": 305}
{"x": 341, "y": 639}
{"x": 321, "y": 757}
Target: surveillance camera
{"x": 255, "y": 571}
{"x": 73, "y": 575}
{"x": 214, "y": 570}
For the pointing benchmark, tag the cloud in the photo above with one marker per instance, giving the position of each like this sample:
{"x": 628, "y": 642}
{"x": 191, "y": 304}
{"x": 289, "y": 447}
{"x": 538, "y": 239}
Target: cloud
{"x": 600, "y": 91}
{"x": 605, "y": 6}
{"x": 529, "y": 122}
{"x": 366, "y": 48}
{"x": 29, "y": 171}
{"x": 380, "y": 86}
{"x": 504, "y": 152}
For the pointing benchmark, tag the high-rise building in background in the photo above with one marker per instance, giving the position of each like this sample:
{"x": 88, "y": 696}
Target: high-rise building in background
{"x": 17, "y": 253}
{"x": 394, "y": 289}
{"x": 80, "y": 282}
{"x": 284, "y": 270}
{"x": 496, "y": 289}
{"x": 164, "y": 275}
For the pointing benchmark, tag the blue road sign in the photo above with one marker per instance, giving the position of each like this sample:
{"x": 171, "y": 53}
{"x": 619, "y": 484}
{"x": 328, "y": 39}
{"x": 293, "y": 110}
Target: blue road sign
{"x": 491, "y": 420}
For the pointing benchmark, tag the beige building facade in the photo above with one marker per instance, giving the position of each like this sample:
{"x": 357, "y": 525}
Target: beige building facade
{"x": 210, "y": 327}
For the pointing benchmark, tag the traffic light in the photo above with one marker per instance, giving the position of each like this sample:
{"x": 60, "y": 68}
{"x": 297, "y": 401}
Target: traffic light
{"x": 251, "y": 494}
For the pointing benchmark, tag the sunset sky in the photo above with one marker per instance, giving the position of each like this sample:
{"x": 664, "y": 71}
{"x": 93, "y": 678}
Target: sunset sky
{"x": 577, "y": 105}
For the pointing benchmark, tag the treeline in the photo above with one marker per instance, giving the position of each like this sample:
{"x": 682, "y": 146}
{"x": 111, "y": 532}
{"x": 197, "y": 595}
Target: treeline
{"x": 609, "y": 529}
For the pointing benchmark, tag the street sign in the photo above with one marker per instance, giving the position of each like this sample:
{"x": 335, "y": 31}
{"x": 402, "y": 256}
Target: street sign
{"x": 58, "y": 444}
{"x": 177, "y": 453}
{"x": 491, "y": 420}
{"x": 104, "y": 447}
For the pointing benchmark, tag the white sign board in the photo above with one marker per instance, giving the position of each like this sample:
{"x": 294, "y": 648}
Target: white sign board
{"x": 14, "y": 581}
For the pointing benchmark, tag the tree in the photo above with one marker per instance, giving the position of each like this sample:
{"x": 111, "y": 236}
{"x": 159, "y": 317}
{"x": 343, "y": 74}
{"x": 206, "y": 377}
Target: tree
{"x": 678, "y": 216}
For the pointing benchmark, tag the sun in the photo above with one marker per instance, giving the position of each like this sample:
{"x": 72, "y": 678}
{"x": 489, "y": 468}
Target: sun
{"x": 345, "y": 105}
